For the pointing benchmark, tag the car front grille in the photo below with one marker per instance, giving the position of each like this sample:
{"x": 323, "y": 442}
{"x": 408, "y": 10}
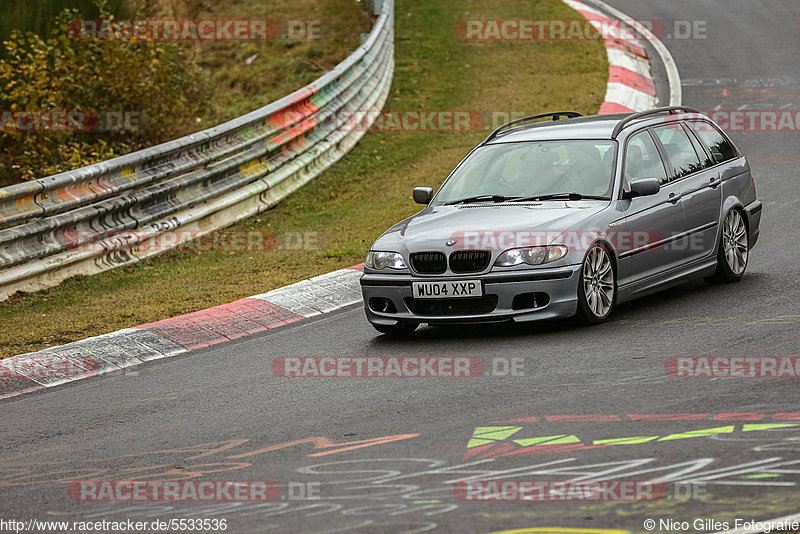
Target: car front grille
{"x": 469, "y": 261}
{"x": 429, "y": 262}
{"x": 452, "y": 307}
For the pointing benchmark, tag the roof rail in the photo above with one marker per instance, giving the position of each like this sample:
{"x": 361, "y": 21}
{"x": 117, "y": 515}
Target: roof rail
{"x": 630, "y": 118}
{"x": 555, "y": 116}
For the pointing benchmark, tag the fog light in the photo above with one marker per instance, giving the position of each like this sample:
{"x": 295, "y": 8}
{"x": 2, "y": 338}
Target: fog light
{"x": 382, "y": 305}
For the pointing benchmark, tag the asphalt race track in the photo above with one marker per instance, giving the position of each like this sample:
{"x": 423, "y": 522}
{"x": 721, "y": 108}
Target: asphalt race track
{"x": 221, "y": 414}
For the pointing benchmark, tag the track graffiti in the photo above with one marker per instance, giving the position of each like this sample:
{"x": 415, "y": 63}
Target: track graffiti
{"x": 21, "y": 473}
{"x": 408, "y": 495}
{"x": 514, "y": 440}
{"x": 604, "y": 418}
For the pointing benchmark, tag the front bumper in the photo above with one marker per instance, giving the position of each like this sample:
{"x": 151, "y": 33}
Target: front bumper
{"x": 753, "y": 211}
{"x": 559, "y": 284}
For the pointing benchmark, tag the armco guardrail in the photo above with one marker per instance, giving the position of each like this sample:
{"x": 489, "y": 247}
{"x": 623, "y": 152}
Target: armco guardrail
{"x": 91, "y": 219}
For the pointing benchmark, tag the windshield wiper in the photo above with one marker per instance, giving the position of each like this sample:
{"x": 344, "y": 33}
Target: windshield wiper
{"x": 559, "y": 196}
{"x": 481, "y": 198}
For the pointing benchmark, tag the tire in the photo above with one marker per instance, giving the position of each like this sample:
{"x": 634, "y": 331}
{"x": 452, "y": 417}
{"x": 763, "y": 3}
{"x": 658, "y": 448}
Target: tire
{"x": 401, "y": 329}
{"x": 734, "y": 250}
{"x": 597, "y": 288}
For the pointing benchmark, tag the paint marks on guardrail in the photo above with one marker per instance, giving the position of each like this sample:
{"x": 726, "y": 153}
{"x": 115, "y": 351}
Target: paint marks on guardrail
{"x": 17, "y": 203}
{"x": 204, "y": 180}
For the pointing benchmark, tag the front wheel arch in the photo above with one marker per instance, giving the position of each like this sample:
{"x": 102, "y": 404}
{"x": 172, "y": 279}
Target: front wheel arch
{"x": 585, "y": 312}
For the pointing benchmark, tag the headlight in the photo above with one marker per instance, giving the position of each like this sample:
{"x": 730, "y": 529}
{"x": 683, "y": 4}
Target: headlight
{"x": 531, "y": 255}
{"x": 382, "y": 260}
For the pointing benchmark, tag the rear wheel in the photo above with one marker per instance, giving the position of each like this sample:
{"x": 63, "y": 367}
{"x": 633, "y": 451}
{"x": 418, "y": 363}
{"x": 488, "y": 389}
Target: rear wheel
{"x": 400, "y": 329}
{"x": 734, "y": 249}
{"x": 597, "y": 288}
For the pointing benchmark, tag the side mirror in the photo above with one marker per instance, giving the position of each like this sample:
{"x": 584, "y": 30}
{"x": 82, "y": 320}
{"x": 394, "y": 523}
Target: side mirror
{"x": 644, "y": 187}
{"x": 423, "y": 195}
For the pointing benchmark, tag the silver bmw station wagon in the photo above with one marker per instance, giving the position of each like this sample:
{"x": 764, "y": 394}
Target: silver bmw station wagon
{"x": 568, "y": 216}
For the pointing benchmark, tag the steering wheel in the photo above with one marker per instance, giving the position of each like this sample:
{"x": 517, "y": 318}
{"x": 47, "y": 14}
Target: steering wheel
{"x": 499, "y": 188}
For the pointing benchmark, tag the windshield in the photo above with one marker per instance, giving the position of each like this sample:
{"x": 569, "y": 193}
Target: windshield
{"x": 533, "y": 169}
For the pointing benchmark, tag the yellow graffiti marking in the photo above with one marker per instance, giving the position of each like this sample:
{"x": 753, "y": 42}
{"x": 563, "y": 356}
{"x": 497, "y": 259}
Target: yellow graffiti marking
{"x": 699, "y": 433}
{"x": 484, "y": 435}
{"x": 561, "y": 439}
{"x": 624, "y": 441}
{"x": 750, "y": 428}
{"x": 129, "y": 173}
{"x": 487, "y": 434}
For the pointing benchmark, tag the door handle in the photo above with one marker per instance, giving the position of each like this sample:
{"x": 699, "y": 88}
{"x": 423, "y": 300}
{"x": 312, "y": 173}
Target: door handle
{"x": 714, "y": 182}
{"x": 674, "y": 197}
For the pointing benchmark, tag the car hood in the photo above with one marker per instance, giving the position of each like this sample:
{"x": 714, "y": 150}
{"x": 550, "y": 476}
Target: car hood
{"x": 434, "y": 226}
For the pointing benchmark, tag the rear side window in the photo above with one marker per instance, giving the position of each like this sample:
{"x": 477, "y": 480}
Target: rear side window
{"x": 679, "y": 149}
{"x": 698, "y": 148}
{"x": 721, "y": 149}
{"x": 642, "y": 159}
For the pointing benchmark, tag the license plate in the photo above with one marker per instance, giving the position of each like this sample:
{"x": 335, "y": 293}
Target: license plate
{"x": 446, "y": 290}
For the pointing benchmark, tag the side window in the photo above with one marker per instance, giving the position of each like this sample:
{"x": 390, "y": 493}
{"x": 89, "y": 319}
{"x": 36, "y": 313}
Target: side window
{"x": 721, "y": 149}
{"x": 679, "y": 149}
{"x": 706, "y": 161}
{"x": 642, "y": 159}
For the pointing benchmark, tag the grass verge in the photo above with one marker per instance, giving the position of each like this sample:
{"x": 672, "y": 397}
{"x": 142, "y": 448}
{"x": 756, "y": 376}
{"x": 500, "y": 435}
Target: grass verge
{"x": 349, "y": 205}
{"x": 246, "y": 75}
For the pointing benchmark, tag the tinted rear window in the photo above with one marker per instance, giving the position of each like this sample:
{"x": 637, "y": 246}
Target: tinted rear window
{"x": 701, "y": 151}
{"x": 721, "y": 149}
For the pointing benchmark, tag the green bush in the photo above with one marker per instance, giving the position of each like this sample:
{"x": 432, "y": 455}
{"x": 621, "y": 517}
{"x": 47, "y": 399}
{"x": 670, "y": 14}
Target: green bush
{"x": 152, "y": 79}
{"x": 39, "y": 16}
